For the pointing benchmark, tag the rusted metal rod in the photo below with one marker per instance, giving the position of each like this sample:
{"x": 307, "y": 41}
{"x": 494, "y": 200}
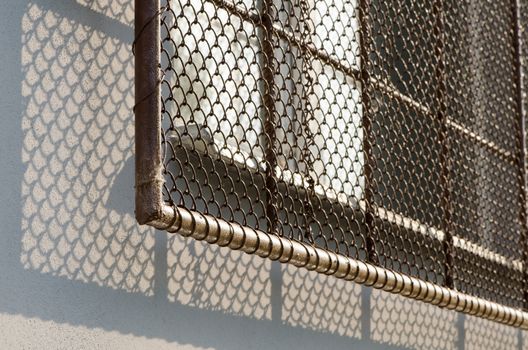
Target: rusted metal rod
{"x": 147, "y": 111}
{"x": 268, "y": 101}
{"x": 441, "y": 115}
{"x": 366, "y": 101}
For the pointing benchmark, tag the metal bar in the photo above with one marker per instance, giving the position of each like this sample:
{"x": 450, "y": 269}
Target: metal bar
{"x": 489, "y": 145}
{"x": 366, "y": 79}
{"x": 217, "y": 231}
{"x": 269, "y": 115}
{"x": 147, "y": 111}
{"x": 483, "y": 252}
{"x": 464, "y": 131}
{"x": 240, "y": 11}
{"x": 521, "y": 157}
{"x": 441, "y": 115}
{"x": 320, "y": 54}
{"x": 394, "y": 93}
{"x": 307, "y": 121}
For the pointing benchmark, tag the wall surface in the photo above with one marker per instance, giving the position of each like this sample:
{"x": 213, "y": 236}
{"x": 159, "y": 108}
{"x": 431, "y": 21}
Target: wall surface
{"x": 77, "y": 272}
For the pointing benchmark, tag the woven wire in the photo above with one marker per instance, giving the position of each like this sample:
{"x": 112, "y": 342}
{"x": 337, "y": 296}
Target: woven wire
{"x": 386, "y": 131}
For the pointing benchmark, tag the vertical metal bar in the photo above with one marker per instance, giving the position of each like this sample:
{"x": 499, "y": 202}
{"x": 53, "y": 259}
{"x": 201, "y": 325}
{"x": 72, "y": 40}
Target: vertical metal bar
{"x": 307, "y": 120}
{"x": 441, "y": 114}
{"x": 147, "y": 111}
{"x": 365, "y": 50}
{"x": 269, "y": 116}
{"x": 517, "y": 42}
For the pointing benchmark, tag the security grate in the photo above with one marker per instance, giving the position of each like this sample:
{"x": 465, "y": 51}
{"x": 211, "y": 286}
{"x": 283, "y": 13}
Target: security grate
{"x": 379, "y": 141}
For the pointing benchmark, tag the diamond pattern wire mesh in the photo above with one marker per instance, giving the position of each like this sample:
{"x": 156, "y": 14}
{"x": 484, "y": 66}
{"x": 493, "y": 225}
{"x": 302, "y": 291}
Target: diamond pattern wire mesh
{"x": 390, "y": 132}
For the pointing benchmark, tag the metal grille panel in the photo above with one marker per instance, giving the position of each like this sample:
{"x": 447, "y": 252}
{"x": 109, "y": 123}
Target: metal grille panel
{"x": 386, "y": 132}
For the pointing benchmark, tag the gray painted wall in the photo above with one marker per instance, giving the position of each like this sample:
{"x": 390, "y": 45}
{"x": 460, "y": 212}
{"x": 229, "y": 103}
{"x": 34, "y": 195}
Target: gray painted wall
{"x": 76, "y": 272}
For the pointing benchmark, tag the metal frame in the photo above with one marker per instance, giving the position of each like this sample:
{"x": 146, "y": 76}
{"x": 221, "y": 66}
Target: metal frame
{"x": 151, "y": 209}
{"x": 147, "y": 109}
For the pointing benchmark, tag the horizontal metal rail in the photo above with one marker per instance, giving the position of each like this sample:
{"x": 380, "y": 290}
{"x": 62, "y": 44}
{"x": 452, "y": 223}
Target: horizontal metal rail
{"x": 220, "y": 232}
{"x": 490, "y": 145}
{"x": 461, "y": 129}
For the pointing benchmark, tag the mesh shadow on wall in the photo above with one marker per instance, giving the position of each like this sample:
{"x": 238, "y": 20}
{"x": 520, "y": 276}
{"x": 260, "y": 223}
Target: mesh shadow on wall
{"x": 77, "y": 204}
{"x": 77, "y": 130}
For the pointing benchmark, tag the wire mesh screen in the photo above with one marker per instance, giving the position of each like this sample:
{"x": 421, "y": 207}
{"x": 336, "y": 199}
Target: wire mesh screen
{"x": 390, "y": 132}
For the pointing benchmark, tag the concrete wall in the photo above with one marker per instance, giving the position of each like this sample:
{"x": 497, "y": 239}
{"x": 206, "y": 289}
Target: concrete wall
{"x": 76, "y": 272}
